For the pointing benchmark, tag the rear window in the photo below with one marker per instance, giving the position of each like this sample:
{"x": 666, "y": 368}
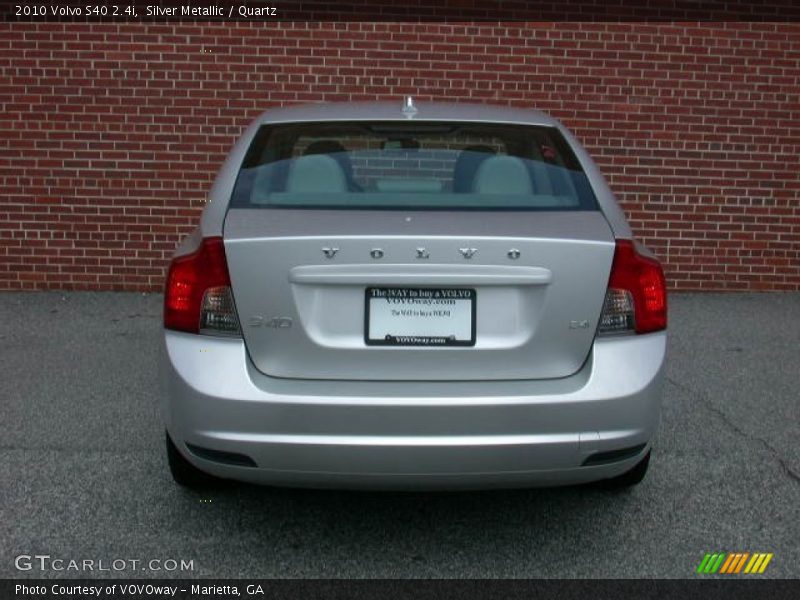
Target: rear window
{"x": 411, "y": 165}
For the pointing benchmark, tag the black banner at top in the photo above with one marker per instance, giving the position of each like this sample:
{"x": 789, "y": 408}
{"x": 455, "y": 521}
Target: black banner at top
{"x": 399, "y": 10}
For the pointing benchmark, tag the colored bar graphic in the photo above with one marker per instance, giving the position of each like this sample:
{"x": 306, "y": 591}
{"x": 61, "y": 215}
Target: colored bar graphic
{"x": 733, "y": 562}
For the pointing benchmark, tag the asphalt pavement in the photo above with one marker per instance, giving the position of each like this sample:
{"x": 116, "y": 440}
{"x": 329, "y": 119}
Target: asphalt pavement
{"x": 83, "y": 474}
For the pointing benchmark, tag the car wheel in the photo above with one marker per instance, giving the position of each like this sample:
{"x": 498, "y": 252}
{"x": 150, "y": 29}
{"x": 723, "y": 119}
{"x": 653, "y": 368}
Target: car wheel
{"x": 185, "y": 473}
{"x": 629, "y": 478}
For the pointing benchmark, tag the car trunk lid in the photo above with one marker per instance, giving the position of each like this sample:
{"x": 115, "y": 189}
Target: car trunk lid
{"x": 311, "y": 288}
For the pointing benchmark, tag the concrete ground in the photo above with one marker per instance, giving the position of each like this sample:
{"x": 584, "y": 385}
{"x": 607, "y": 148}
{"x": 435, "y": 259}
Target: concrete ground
{"x": 83, "y": 473}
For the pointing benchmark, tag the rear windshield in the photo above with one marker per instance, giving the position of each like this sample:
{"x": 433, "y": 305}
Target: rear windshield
{"x": 411, "y": 165}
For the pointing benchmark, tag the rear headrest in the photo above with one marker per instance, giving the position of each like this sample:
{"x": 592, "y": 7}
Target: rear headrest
{"x": 502, "y": 175}
{"x": 316, "y": 173}
{"x": 467, "y": 163}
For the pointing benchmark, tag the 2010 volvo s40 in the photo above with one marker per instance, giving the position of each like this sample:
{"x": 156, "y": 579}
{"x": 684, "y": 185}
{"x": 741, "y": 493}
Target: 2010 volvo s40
{"x": 388, "y": 295}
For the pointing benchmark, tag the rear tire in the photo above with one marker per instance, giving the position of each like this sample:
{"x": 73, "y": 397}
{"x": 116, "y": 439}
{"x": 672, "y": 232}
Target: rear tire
{"x": 629, "y": 478}
{"x": 185, "y": 473}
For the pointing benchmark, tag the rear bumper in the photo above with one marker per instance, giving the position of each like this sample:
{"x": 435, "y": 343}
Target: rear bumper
{"x": 362, "y": 434}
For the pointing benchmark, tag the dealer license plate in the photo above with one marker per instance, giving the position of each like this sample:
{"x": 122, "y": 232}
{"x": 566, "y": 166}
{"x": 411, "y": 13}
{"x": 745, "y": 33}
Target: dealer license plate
{"x": 401, "y": 316}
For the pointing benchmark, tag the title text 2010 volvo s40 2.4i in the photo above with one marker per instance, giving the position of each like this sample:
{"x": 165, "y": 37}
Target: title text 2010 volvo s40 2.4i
{"x": 392, "y": 295}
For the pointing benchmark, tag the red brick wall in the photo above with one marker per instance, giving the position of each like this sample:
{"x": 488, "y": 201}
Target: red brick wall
{"x": 110, "y": 134}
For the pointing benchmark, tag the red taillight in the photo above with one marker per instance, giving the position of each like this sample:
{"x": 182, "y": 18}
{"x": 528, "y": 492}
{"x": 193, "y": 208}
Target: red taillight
{"x": 637, "y": 293}
{"x": 189, "y": 277}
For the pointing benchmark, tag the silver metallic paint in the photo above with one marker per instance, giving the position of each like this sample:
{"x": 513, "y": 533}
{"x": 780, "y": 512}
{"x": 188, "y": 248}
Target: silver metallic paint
{"x": 523, "y": 309}
{"x": 410, "y": 434}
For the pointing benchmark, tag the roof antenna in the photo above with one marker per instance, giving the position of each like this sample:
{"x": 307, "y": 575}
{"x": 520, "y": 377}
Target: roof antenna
{"x": 409, "y": 108}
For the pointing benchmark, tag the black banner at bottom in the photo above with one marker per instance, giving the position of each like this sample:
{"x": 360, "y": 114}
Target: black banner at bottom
{"x": 405, "y": 589}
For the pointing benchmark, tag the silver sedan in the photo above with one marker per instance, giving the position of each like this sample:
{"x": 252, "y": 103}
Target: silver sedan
{"x": 403, "y": 295}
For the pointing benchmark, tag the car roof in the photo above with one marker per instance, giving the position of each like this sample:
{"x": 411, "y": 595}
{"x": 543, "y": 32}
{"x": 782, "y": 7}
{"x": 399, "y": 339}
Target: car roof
{"x": 393, "y": 111}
